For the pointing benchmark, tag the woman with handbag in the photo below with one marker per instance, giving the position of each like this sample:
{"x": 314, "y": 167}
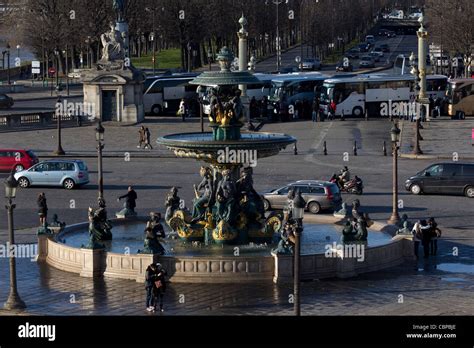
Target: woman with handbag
{"x": 159, "y": 286}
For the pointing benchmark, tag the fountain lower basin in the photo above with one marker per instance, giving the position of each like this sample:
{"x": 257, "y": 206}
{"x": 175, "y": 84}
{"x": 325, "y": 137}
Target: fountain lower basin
{"x": 189, "y": 263}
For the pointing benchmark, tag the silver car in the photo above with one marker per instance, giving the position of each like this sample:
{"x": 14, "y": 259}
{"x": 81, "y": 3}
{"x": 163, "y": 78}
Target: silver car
{"x": 319, "y": 196}
{"x": 64, "y": 173}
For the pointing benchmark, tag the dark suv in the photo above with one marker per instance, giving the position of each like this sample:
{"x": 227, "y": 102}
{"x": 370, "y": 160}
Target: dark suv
{"x": 444, "y": 178}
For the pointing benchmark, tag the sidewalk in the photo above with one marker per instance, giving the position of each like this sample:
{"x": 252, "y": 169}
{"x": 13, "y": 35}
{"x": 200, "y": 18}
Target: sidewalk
{"x": 443, "y": 139}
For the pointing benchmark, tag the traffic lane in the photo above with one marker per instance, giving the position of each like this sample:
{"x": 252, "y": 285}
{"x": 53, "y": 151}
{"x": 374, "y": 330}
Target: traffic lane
{"x": 39, "y": 105}
{"x": 152, "y": 185}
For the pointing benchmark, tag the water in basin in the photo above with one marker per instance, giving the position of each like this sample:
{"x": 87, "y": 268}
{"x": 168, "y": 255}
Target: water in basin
{"x": 130, "y": 237}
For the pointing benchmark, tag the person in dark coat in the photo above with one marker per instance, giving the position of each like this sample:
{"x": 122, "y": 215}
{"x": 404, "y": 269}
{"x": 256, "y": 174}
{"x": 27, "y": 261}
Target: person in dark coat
{"x": 159, "y": 286}
{"x": 148, "y": 139}
{"x": 42, "y": 208}
{"x": 435, "y": 234}
{"x": 426, "y": 238}
{"x": 150, "y": 275}
{"x": 130, "y": 199}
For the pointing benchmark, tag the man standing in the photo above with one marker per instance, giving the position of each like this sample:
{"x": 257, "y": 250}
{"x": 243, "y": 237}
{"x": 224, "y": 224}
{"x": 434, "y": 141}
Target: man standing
{"x": 130, "y": 199}
{"x": 141, "y": 137}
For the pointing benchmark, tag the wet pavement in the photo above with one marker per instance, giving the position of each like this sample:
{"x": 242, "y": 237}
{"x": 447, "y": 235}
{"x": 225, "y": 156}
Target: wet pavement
{"x": 441, "y": 285}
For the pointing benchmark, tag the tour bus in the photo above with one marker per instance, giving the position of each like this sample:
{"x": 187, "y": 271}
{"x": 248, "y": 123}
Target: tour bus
{"x": 162, "y": 94}
{"x": 353, "y": 96}
{"x": 460, "y": 97}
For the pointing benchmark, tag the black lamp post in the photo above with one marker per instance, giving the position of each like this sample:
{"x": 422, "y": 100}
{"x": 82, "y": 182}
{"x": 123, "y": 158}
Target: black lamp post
{"x": 152, "y": 37}
{"x": 14, "y": 301}
{"x": 299, "y": 205}
{"x": 209, "y": 58}
{"x": 200, "y": 94}
{"x": 59, "y": 150}
{"x": 395, "y": 137}
{"x": 9, "y": 81}
{"x": 66, "y": 54}
{"x": 99, "y": 137}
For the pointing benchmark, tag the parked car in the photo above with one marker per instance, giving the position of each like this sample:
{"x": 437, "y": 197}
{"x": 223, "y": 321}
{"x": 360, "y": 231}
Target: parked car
{"x": 17, "y": 160}
{"x": 6, "y": 102}
{"x": 391, "y": 34}
{"x": 367, "y": 62}
{"x": 311, "y": 64}
{"x": 319, "y": 196}
{"x": 385, "y": 48}
{"x": 63, "y": 173}
{"x": 353, "y": 53}
{"x": 375, "y": 56}
{"x": 444, "y": 178}
{"x": 370, "y": 39}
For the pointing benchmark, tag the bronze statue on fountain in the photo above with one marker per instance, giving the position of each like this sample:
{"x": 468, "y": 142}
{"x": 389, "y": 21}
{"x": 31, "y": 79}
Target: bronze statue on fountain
{"x": 100, "y": 228}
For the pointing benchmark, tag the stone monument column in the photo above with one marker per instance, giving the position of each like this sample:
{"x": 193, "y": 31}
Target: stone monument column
{"x": 422, "y": 42}
{"x": 243, "y": 62}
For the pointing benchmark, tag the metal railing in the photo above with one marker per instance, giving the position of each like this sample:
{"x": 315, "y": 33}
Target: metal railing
{"x": 36, "y": 120}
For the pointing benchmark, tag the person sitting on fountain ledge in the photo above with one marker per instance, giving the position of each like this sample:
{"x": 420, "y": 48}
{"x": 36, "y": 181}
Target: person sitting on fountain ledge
{"x": 154, "y": 230}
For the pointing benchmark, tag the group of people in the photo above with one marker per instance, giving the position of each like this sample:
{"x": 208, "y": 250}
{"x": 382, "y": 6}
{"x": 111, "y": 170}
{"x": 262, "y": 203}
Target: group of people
{"x": 144, "y": 138}
{"x": 427, "y": 233}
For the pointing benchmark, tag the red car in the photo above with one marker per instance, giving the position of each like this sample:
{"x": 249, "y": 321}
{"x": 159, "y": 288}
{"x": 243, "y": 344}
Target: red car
{"x": 16, "y": 159}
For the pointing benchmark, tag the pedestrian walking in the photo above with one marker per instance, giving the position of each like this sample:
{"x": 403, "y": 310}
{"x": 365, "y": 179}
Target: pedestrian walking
{"x": 148, "y": 139}
{"x": 315, "y": 113}
{"x": 159, "y": 287}
{"x": 130, "y": 199}
{"x": 141, "y": 137}
{"x": 182, "y": 110}
{"x": 150, "y": 275}
{"x": 435, "y": 235}
{"x": 42, "y": 208}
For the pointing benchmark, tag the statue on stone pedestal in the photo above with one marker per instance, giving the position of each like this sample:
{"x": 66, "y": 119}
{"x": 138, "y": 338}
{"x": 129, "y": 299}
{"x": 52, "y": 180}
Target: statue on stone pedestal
{"x": 113, "y": 46}
{"x": 172, "y": 203}
{"x": 56, "y": 222}
{"x": 203, "y": 200}
{"x": 100, "y": 228}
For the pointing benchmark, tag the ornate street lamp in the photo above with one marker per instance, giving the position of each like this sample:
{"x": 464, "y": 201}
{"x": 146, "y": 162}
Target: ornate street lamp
{"x": 298, "y": 207}
{"x": 14, "y": 301}
{"x": 56, "y": 54}
{"x": 99, "y": 137}
{"x": 200, "y": 93}
{"x": 298, "y": 61}
{"x": 395, "y": 137}
{"x": 59, "y": 150}
{"x": 9, "y": 81}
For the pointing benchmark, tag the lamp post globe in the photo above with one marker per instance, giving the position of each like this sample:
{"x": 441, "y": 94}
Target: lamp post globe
{"x": 99, "y": 132}
{"x": 10, "y": 186}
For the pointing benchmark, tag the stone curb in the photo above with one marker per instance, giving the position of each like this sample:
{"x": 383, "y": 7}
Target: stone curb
{"x": 436, "y": 157}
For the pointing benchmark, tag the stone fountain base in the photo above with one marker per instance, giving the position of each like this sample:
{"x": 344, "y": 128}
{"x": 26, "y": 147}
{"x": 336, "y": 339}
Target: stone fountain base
{"x": 219, "y": 269}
